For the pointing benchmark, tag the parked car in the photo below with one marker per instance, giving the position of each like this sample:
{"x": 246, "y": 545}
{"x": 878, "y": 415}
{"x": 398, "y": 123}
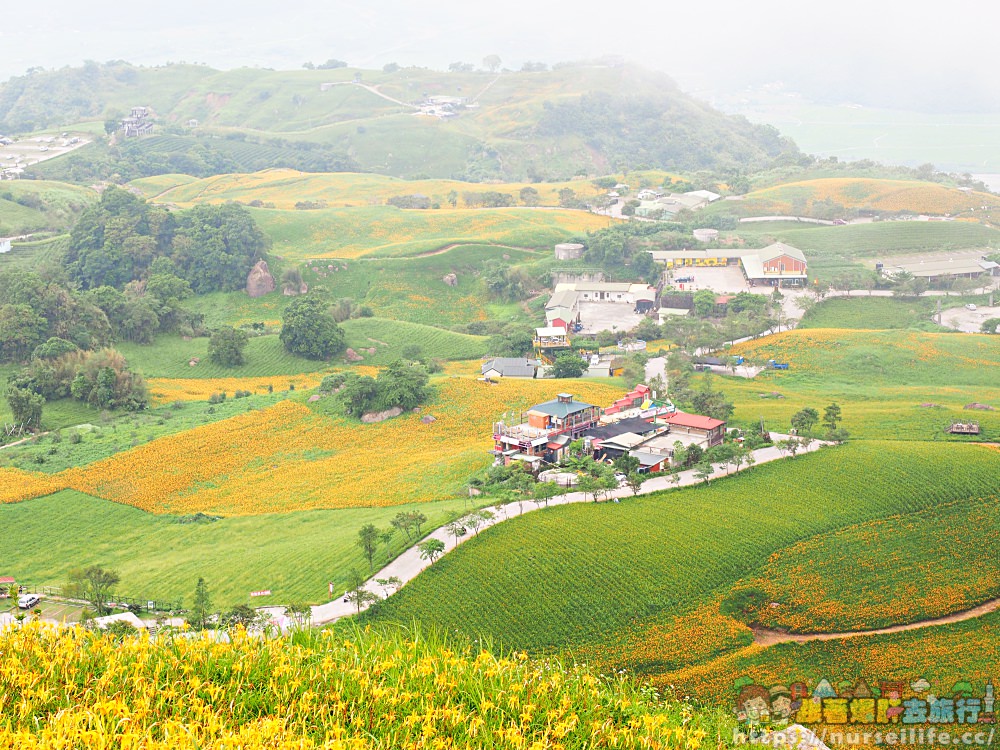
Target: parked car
{"x": 970, "y": 306}
{"x": 27, "y": 601}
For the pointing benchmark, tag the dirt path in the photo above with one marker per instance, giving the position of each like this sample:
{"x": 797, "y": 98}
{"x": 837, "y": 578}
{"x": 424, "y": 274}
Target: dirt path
{"x": 766, "y": 637}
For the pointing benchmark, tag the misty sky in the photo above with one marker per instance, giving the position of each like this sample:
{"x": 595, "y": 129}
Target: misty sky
{"x": 915, "y": 54}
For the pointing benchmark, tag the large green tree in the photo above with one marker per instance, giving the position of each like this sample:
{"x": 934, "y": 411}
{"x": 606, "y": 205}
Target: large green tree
{"x": 568, "y": 366}
{"x": 307, "y": 329}
{"x": 227, "y": 346}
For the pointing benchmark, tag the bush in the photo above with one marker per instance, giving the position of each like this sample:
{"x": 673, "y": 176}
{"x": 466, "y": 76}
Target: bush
{"x": 744, "y": 604}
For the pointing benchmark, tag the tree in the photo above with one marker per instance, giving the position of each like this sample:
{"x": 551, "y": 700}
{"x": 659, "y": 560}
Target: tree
{"x": 530, "y": 196}
{"x": 478, "y": 519}
{"x": 201, "y": 606}
{"x": 357, "y": 594}
{"x": 25, "y": 407}
{"x": 704, "y": 303}
{"x": 431, "y": 549}
{"x": 243, "y": 615}
{"x": 568, "y": 366}
{"x": 456, "y": 529}
{"x": 626, "y": 464}
{"x": 588, "y": 486}
{"x": 990, "y": 325}
{"x": 95, "y": 584}
{"x": 418, "y": 519}
{"x": 634, "y": 481}
{"x": 544, "y": 491}
{"x": 703, "y": 471}
{"x": 804, "y": 420}
{"x": 386, "y": 538}
{"x": 492, "y": 63}
{"x": 403, "y": 522}
{"x": 831, "y": 417}
{"x": 368, "y": 539}
{"x": 227, "y": 345}
{"x": 308, "y": 330}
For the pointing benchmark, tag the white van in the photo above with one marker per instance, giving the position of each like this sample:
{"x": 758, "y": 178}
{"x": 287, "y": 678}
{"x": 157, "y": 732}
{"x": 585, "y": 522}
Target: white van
{"x": 27, "y": 601}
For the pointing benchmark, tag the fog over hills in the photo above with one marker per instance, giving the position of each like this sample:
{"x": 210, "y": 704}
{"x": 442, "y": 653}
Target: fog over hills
{"x": 888, "y": 53}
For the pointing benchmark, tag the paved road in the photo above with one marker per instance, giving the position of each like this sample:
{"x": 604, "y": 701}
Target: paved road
{"x": 408, "y": 565}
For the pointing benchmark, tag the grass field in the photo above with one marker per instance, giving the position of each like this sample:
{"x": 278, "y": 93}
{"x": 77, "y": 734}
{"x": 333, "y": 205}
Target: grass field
{"x": 899, "y": 385}
{"x": 915, "y": 567}
{"x": 407, "y": 289}
{"x": 38, "y": 205}
{"x": 170, "y": 357}
{"x": 576, "y": 574}
{"x": 159, "y": 557}
{"x": 387, "y": 231}
{"x": 285, "y": 187}
{"x": 874, "y": 312}
{"x": 34, "y": 255}
{"x": 390, "y": 337}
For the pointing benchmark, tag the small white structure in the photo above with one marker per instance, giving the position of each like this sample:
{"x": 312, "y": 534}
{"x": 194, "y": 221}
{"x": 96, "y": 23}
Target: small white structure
{"x": 131, "y": 619}
{"x": 569, "y": 251}
{"x": 706, "y": 235}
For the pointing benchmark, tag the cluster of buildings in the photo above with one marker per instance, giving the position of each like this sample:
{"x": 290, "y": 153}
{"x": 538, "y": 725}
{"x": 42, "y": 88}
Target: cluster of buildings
{"x": 655, "y": 204}
{"x": 563, "y": 308}
{"x": 939, "y": 268}
{"x": 775, "y": 265}
{"x": 137, "y": 123}
{"x": 638, "y": 424}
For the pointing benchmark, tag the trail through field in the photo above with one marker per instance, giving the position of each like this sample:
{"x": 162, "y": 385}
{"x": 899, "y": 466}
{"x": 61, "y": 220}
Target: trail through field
{"x": 766, "y": 637}
{"x": 446, "y": 249}
{"x": 409, "y": 564}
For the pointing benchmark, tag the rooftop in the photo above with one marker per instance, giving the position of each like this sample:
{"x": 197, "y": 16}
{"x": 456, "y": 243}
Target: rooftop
{"x": 696, "y": 421}
{"x": 562, "y": 406}
{"x": 608, "y": 431}
{"x": 778, "y": 249}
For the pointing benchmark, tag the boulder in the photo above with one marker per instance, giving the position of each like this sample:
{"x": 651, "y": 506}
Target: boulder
{"x": 381, "y": 416}
{"x": 428, "y": 419}
{"x": 260, "y": 281}
{"x": 978, "y": 406}
{"x": 352, "y": 356}
{"x": 313, "y": 399}
{"x": 450, "y": 279}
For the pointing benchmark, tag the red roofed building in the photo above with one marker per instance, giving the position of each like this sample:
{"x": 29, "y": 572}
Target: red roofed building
{"x": 712, "y": 430}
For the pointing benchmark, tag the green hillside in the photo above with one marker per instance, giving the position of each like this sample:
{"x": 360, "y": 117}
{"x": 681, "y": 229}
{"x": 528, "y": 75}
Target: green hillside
{"x": 541, "y": 125}
{"x": 28, "y": 206}
{"x": 582, "y": 573}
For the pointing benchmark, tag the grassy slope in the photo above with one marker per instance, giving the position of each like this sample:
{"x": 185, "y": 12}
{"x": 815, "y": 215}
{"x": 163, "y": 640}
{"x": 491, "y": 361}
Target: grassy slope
{"x": 170, "y": 356}
{"x": 389, "y": 337}
{"x": 384, "y": 230}
{"x": 293, "y": 554}
{"x": 880, "y": 378}
{"x": 409, "y": 289}
{"x": 59, "y": 207}
{"x": 873, "y": 312}
{"x": 582, "y": 572}
{"x": 285, "y": 187}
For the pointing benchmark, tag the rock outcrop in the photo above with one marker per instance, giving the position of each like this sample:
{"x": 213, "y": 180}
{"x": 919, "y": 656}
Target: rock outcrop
{"x": 260, "y": 281}
{"x": 380, "y": 416}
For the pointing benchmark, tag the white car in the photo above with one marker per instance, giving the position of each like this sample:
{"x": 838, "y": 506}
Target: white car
{"x": 970, "y": 306}
{"x": 27, "y": 601}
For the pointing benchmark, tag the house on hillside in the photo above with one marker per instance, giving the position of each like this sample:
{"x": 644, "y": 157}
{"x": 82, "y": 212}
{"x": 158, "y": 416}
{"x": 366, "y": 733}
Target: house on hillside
{"x": 545, "y": 430}
{"x": 775, "y": 265}
{"x": 682, "y": 423}
{"x": 509, "y": 367}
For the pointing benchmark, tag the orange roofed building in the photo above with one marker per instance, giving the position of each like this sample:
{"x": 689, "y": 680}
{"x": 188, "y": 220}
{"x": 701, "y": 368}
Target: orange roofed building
{"x": 545, "y": 430}
{"x": 713, "y": 430}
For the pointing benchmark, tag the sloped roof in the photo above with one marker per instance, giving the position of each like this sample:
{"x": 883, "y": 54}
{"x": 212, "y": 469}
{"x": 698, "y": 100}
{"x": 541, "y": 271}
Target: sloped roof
{"x": 608, "y": 431}
{"x": 696, "y": 421}
{"x": 511, "y": 367}
{"x": 561, "y": 409}
{"x": 562, "y": 298}
{"x": 778, "y": 249}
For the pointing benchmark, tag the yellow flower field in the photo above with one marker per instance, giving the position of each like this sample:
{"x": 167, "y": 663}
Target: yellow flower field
{"x": 168, "y": 390}
{"x": 77, "y": 689}
{"x": 17, "y": 485}
{"x": 288, "y": 457}
{"x": 885, "y": 195}
{"x": 286, "y": 187}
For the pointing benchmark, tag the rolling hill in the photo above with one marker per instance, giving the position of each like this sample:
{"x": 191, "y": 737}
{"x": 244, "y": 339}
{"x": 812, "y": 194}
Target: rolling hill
{"x": 576, "y": 119}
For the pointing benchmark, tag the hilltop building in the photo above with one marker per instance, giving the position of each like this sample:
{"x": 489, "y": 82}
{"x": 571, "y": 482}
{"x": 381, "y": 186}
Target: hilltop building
{"x": 137, "y": 123}
{"x": 545, "y": 430}
{"x": 775, "y": 265}
{"x": 563, "y": 308}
